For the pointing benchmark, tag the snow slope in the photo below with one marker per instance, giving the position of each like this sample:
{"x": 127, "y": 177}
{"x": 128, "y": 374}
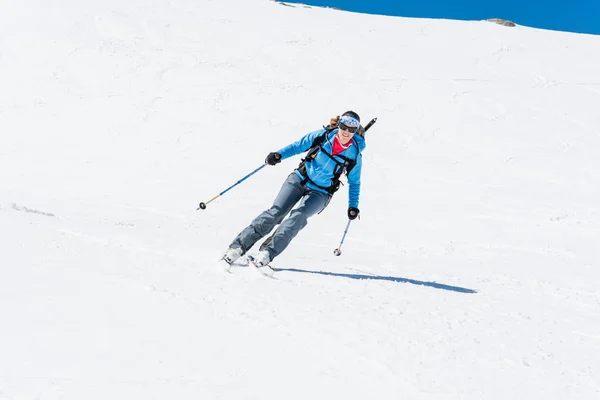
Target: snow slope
{"x": 472, "y": 274}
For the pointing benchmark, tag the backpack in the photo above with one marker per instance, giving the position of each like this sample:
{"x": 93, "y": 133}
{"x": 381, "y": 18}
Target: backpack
{"x": 341, "y": 167}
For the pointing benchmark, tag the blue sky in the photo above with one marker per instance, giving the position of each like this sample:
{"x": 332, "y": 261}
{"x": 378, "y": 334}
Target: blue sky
{"x": 581, "y": 16}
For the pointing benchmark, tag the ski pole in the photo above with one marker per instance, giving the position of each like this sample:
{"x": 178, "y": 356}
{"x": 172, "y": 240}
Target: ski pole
{"x": 338, "y": 251}
{"x": 202, "y": 205}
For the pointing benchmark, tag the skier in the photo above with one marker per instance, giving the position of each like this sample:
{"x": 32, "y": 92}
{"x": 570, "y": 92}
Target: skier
{"x": 332, "y": 151}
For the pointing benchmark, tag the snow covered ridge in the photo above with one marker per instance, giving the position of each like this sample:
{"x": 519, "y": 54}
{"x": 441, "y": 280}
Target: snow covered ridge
{"x": 472, "y": 273}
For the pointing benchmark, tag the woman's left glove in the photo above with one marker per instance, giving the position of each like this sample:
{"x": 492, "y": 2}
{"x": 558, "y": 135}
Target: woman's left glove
{"x": 353, "y": 212}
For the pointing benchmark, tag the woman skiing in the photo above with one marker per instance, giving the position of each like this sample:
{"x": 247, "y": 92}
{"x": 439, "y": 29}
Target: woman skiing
{"x": 332, "y": 151}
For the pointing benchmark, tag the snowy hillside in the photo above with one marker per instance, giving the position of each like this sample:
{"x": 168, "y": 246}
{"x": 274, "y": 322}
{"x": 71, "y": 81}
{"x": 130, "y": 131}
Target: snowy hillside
{"x": 472, "y": 274}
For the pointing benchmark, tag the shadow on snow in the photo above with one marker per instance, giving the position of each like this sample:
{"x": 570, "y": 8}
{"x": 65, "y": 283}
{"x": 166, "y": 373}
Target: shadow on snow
{"x": 382, "y": 278}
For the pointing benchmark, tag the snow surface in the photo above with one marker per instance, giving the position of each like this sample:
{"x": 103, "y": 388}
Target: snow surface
{"x": 473, "y": 273}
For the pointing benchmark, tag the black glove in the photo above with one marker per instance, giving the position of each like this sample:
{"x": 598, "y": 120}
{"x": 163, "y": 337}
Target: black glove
{"x": 353, "y": 212}
{"x": 273, "y": 158}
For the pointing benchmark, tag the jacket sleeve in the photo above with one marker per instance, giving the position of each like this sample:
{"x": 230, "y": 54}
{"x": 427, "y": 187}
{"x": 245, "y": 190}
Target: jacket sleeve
{"x": 300, "y": 146}
{"x": 354, "y": 183}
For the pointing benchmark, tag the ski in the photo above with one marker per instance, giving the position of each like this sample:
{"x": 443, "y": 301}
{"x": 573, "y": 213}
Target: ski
{"x": 265, "y": 270}
{"x": 224, "y": 265}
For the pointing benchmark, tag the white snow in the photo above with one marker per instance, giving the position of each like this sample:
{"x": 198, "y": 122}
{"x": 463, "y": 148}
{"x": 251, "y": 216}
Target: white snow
{"x": 472, "y": 274}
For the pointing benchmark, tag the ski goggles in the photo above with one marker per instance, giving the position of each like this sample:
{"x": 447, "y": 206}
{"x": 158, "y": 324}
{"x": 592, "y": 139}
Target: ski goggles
{"x": 348, "y": 123}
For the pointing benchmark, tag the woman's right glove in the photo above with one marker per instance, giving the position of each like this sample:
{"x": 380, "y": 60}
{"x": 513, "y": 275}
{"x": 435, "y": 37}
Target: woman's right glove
{"x": 273, "y": 158}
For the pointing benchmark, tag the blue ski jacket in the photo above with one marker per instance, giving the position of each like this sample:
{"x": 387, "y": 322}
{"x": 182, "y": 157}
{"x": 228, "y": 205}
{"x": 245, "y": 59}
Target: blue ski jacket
{"x": 321, "y": 169}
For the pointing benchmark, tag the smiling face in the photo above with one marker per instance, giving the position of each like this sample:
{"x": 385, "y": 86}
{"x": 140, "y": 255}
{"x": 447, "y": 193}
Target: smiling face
{"x": 344, "y": 136}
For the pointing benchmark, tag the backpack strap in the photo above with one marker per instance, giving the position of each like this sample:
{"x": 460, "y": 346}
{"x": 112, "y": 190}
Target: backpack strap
{"x": 311, "y": 154}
